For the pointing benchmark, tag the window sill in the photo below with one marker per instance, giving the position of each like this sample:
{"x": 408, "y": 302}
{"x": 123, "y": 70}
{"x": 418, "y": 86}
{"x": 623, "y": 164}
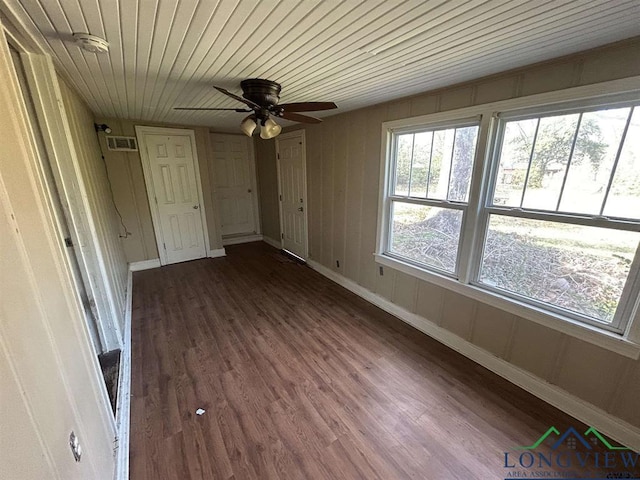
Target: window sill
{"x": 608, "y": 340}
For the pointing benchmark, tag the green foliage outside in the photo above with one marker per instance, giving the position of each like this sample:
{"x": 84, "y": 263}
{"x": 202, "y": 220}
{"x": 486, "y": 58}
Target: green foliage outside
{"x": 553, "y": 146}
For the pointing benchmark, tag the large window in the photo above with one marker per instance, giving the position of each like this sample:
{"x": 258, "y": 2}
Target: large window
{"x": 550, "y": 219}
{"x": 562, "y": 220}
{"x": 430, "y": 190}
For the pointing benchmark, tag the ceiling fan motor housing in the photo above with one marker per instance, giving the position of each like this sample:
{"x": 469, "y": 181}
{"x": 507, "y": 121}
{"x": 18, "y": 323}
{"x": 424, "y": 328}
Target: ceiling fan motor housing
{"x": 263, "y": 92}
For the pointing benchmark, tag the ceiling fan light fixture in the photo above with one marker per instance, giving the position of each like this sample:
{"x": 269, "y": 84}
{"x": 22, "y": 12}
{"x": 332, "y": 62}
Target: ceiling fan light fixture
{"x": 248, "y": 125}
{"x": 270, "y": 129}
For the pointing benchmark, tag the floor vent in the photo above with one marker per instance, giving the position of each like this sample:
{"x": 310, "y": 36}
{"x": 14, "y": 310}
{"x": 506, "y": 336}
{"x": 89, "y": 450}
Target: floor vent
{"x": 122, "y": 144}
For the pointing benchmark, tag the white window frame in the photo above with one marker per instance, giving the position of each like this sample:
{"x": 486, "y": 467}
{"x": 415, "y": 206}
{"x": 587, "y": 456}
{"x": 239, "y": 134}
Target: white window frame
{"x": 621, "y": 318}
{"x": 429, "y": 202}
{"x": 476, "y": 215}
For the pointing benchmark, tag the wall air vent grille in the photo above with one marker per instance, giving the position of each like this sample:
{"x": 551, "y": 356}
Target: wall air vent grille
{"x": 122, "y": 144}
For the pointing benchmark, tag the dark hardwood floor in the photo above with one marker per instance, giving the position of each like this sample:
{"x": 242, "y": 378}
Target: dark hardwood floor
{"x": 301, "y": 379}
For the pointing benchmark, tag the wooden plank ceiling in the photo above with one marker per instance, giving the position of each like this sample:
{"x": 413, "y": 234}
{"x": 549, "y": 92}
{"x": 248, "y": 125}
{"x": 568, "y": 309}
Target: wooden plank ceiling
{"x": 166, "y": 53}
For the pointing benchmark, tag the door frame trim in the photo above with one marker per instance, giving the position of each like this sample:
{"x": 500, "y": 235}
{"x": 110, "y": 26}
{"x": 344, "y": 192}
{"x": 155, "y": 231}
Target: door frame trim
{"x": 54, "y": 124}
{"x": 141, "y": 131}
{"x": 302, "y": 135}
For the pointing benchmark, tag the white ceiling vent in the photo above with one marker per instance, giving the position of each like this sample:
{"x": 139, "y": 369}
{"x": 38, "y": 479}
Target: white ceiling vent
{"x": 122, "y": 144}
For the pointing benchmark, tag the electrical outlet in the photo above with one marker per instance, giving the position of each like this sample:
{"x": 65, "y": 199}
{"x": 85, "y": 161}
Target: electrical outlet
{"x": 76, "y": 448}
{"x": 381, "y": 270}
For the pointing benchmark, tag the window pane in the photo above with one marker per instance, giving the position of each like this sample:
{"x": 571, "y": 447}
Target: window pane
{"x": 624, "y": 196}
{"x": 420, "y": 168}
{"x": 404, "y": 150}
{"x": 550, "y": 157}
{"x": 577, "y": 268}
{"x": 440, "y": 164}
{"x": 463, "y": 154}
{"x": 515, "y": 152}
{"x": 435, "y": 164}
{"x": 427, "y": 235}
{"x": 595, "y": 151}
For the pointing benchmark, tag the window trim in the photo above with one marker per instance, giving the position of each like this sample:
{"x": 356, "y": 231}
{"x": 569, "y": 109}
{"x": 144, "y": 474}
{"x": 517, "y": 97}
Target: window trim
{"x": 477, "y": 211}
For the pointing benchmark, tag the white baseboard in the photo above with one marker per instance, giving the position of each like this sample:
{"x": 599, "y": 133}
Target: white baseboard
{"x": 123, "y": 407}
{"x": 242, "y": 239}
{"x": 218, "y": 252}
{"x": 619, "y": 430}
{"x": 144, "y": 265}
{"x": 274, "y": 243}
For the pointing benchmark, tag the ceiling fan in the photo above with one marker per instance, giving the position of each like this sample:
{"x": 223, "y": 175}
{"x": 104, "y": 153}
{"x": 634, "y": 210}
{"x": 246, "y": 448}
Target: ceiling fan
{"x": 262, "y": 96}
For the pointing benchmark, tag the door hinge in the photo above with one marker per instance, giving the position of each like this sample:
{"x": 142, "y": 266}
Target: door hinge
{"x": 68, "y": 242}
{"x": 164, "y": 245}
{"x": 280, "y": 197}
{"x": 282, "y": 236}
{"x": 156, "y": 199}
{"x": 278, "y": 156}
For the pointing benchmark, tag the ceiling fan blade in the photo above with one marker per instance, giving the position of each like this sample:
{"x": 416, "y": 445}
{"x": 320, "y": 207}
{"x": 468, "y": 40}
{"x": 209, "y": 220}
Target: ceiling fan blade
{"x": 296, "y": 117}
{"x": 240, "y": 99}
{"x": 308, "y": 106}
{"x": 207, "y": 108}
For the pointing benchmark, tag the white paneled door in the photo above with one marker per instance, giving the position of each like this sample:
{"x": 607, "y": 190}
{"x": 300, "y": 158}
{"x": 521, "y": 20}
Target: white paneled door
{"x": 292, "y": 184}
{"x": 173, "y": 187}
{"x": 234, "y": 181}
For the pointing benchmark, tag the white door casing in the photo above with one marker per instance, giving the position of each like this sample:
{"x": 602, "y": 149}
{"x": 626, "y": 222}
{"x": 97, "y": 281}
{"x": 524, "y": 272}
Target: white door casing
{"x": 172, "y": 177}
{"x": 234, "y": 181}
{"x": 292, "y": 188}
{"x": 54, "y": 124}
{"x": 60, "y": 208}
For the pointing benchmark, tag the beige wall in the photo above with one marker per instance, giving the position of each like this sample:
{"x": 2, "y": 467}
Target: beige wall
{"x": 343, "y": 165}
{"x": 50, "y": 382}
{"x": 127, "y": 182}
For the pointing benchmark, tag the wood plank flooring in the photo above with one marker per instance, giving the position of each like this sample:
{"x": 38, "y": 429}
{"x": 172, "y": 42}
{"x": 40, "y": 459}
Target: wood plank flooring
{"x": 301, "y": 379}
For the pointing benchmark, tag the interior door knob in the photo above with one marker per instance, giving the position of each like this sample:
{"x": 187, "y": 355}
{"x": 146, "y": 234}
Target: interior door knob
{"x": 195, "y": 207}
{"x": 300, "y": 209}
